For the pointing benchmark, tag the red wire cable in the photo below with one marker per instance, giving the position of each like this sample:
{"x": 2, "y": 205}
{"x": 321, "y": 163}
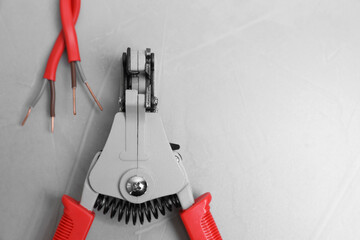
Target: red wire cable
{"x": 59, "y": 46}
{"x": 69, "y": 12}
{"x": 71, "y": 41}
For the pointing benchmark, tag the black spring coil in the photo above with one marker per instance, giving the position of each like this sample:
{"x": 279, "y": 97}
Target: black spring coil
{"x": 135, "y": 211}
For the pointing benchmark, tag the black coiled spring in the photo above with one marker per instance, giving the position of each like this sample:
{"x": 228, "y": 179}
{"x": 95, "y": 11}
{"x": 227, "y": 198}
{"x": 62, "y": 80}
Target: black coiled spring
{"x": 135, "y": 211}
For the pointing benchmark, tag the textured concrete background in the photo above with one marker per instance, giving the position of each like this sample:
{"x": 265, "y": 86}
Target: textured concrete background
{"x": 262, "y": 95}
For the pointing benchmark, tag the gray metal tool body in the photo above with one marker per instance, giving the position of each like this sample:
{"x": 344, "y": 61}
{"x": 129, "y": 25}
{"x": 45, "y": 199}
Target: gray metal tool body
{"x": 137, "y": 147}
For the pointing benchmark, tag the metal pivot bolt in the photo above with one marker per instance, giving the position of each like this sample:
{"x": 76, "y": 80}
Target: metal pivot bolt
{"x": 136, "y": 186}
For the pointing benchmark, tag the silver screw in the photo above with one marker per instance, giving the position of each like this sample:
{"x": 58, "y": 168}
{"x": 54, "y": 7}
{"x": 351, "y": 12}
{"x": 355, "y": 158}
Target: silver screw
{"x": 136, "y": 186}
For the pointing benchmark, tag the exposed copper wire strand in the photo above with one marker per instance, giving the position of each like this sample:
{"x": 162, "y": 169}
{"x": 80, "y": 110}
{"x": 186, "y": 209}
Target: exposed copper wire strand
{"x": 52, "y": 124}
{"x": 93, "y": 95}
{"x": 26, "y": 117}
{"x": 74, "y": 100}
{"x": 83, "y": 78}
{"x": 52, "y": 104}
{"x": 34, "y": 102}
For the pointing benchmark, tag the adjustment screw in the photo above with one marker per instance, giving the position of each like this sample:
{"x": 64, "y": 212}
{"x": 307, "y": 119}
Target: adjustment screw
{"x": 155, "y": 101}
{"x": 136, "y": 186}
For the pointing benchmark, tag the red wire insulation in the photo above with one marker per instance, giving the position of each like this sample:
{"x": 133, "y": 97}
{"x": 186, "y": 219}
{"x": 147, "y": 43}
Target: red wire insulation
{"x": 71, "y": 41}
{"x": 59, "y": 46}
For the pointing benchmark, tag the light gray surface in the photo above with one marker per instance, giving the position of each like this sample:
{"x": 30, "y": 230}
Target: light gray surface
{"x": 262, "y": 95}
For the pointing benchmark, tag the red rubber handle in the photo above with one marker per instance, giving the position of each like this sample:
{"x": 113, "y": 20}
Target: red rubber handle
{"x": 75, "y": 222}
{"x": 71, "y": 41}
{"x": 199, "y": 222}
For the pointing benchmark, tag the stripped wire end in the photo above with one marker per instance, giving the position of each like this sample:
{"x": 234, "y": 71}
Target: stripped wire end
{"x": 52, "y": 124}
{"x": 26, "y": 117}
{"x": 83, "y": 78}
{"x": 74, "y": 100}
{"x": 35, "y": 101}
{"x": 93, "y": 95}
{"x": 52, "y": 104}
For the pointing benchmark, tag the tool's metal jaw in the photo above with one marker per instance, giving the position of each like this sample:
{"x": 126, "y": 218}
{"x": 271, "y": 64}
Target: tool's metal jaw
{"x": 139, "y": 75}
{"x": 137, "y": 163}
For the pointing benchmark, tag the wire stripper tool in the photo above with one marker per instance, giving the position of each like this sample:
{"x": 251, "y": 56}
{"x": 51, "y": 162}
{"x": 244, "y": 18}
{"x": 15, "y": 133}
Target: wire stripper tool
{"x": 138, "y": 175}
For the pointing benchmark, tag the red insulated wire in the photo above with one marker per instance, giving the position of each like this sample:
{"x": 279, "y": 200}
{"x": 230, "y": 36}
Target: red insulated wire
{"x": 71, "y": 41}
{"x": 59, "y": 46}
{"x": 69, "y": 12}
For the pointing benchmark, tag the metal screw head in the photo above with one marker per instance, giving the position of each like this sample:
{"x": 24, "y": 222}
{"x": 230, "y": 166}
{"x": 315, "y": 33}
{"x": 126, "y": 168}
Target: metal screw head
{"x": 136, "y": 186}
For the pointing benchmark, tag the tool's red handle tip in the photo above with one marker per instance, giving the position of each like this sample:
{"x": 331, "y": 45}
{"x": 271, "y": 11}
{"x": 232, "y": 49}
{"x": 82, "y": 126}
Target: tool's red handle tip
{"x": 199, "y": 221}
{"x": 75, "y": 222}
